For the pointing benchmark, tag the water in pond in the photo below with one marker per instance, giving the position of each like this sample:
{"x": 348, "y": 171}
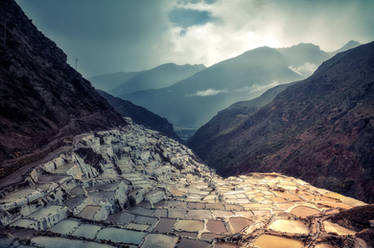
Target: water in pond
{"x": 289, "y": 226}
{"x": 303, "y": 212}
{"x": 121, "y": 235}
{"x": 65, "y": 227}
{"x": 189, "y": 225}
{"x": 335, "y": 228}
{"x": 270, "y": 241}
{"x": 49, "y": 242}
{"x": 87, "y": 231}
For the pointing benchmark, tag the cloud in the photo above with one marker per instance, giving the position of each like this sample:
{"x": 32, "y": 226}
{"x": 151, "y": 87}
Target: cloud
{"x": 259, "y": 88}
{"x": 130, "y": 35}
{"x": 247, "y": 24}
{"x": 304, "y": 70}
{"x": 208, "y": 92}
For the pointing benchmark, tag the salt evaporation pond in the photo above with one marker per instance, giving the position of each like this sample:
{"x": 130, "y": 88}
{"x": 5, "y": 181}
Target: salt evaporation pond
{"x": 87, "y": 231}
{"x": 121, "y": 235}
{"x": 65, "y": 227}
{"x": 49, "y": 242}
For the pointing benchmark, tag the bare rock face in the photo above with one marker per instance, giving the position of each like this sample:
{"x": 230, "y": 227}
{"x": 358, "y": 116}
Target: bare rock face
{"x": 42, "y": 99}
{"x": 134, "y": 187}
{"x": 320, "y": 129}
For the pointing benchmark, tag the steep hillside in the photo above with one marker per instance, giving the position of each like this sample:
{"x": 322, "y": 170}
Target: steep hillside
{"x": 140, "y": 115}
{"x": 229, "y": 119}
{"x": 158, "y": 77}
{"x": 111, "y": 81}
{"x": 42, "y": 99}
{"x": 320, "y": 129}
{"x": 193, "y": 101}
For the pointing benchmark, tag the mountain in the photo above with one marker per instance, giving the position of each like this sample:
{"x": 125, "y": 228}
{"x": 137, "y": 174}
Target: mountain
{"x": 43, "y": 101}
{"x": 233, "y": 116}
{"x": 111, "y": 81}
{"x": 304, "y": 58}
{"x": 320, "y": 129}
{"x": 158, "y": 77}
{"x": 304, "y": 52}
{"x": 140, "y": 115}
{"x": 349, "y": 45}
{"x": 193, "y": 101}
{"x": 229, "y": 119}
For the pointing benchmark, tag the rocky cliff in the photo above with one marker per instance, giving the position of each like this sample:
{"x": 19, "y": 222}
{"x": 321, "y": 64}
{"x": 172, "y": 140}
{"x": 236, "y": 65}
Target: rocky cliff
{"x": 42, "y": 99}
{"x": 320, "y": 129}
{"x": 140, "y": 115}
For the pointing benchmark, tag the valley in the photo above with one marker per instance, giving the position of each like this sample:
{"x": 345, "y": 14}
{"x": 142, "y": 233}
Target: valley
{"x": 270, "y": 147}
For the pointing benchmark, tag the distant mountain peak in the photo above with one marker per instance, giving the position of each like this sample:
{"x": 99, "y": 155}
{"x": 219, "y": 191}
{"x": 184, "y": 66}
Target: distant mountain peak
{"x": 349, "y": 45}
{"x": 352, "y": 43}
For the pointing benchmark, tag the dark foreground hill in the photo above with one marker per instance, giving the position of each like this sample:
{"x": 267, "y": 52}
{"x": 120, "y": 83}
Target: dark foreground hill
{"x": 42, "y": 99}
{"x": 320, "y": 129}
{"x": 140, "y": 115}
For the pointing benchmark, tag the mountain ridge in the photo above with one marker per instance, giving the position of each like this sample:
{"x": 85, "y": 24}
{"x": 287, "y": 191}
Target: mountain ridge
{"x": 287, "y": 133}
{"x": 158, "y": 77}
{"x": 140, "y": 115}
{"x": 110, "y": 81}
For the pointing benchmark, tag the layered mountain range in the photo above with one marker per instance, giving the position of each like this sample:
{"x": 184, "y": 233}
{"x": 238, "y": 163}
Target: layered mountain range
{"x": 319, "y": 129}
{"x": 159, "y": 77}
{"x": 216, "y": 87}
{"x": 240, "y": 78}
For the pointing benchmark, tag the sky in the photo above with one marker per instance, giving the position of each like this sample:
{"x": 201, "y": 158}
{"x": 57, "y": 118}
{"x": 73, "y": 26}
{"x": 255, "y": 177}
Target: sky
{"x": 133, "y": 35}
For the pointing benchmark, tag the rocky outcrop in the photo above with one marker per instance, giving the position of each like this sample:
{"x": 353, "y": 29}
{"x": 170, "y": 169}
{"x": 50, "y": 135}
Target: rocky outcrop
{"x": 320, "y": 129}
{"x": 42, "y": 99}
{"x": 141, "y": 115}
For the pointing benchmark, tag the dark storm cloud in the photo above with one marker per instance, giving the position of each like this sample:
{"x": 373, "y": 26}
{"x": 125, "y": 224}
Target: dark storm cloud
{"x": 188, "y": 17}
{"x": 106, "y": 36}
